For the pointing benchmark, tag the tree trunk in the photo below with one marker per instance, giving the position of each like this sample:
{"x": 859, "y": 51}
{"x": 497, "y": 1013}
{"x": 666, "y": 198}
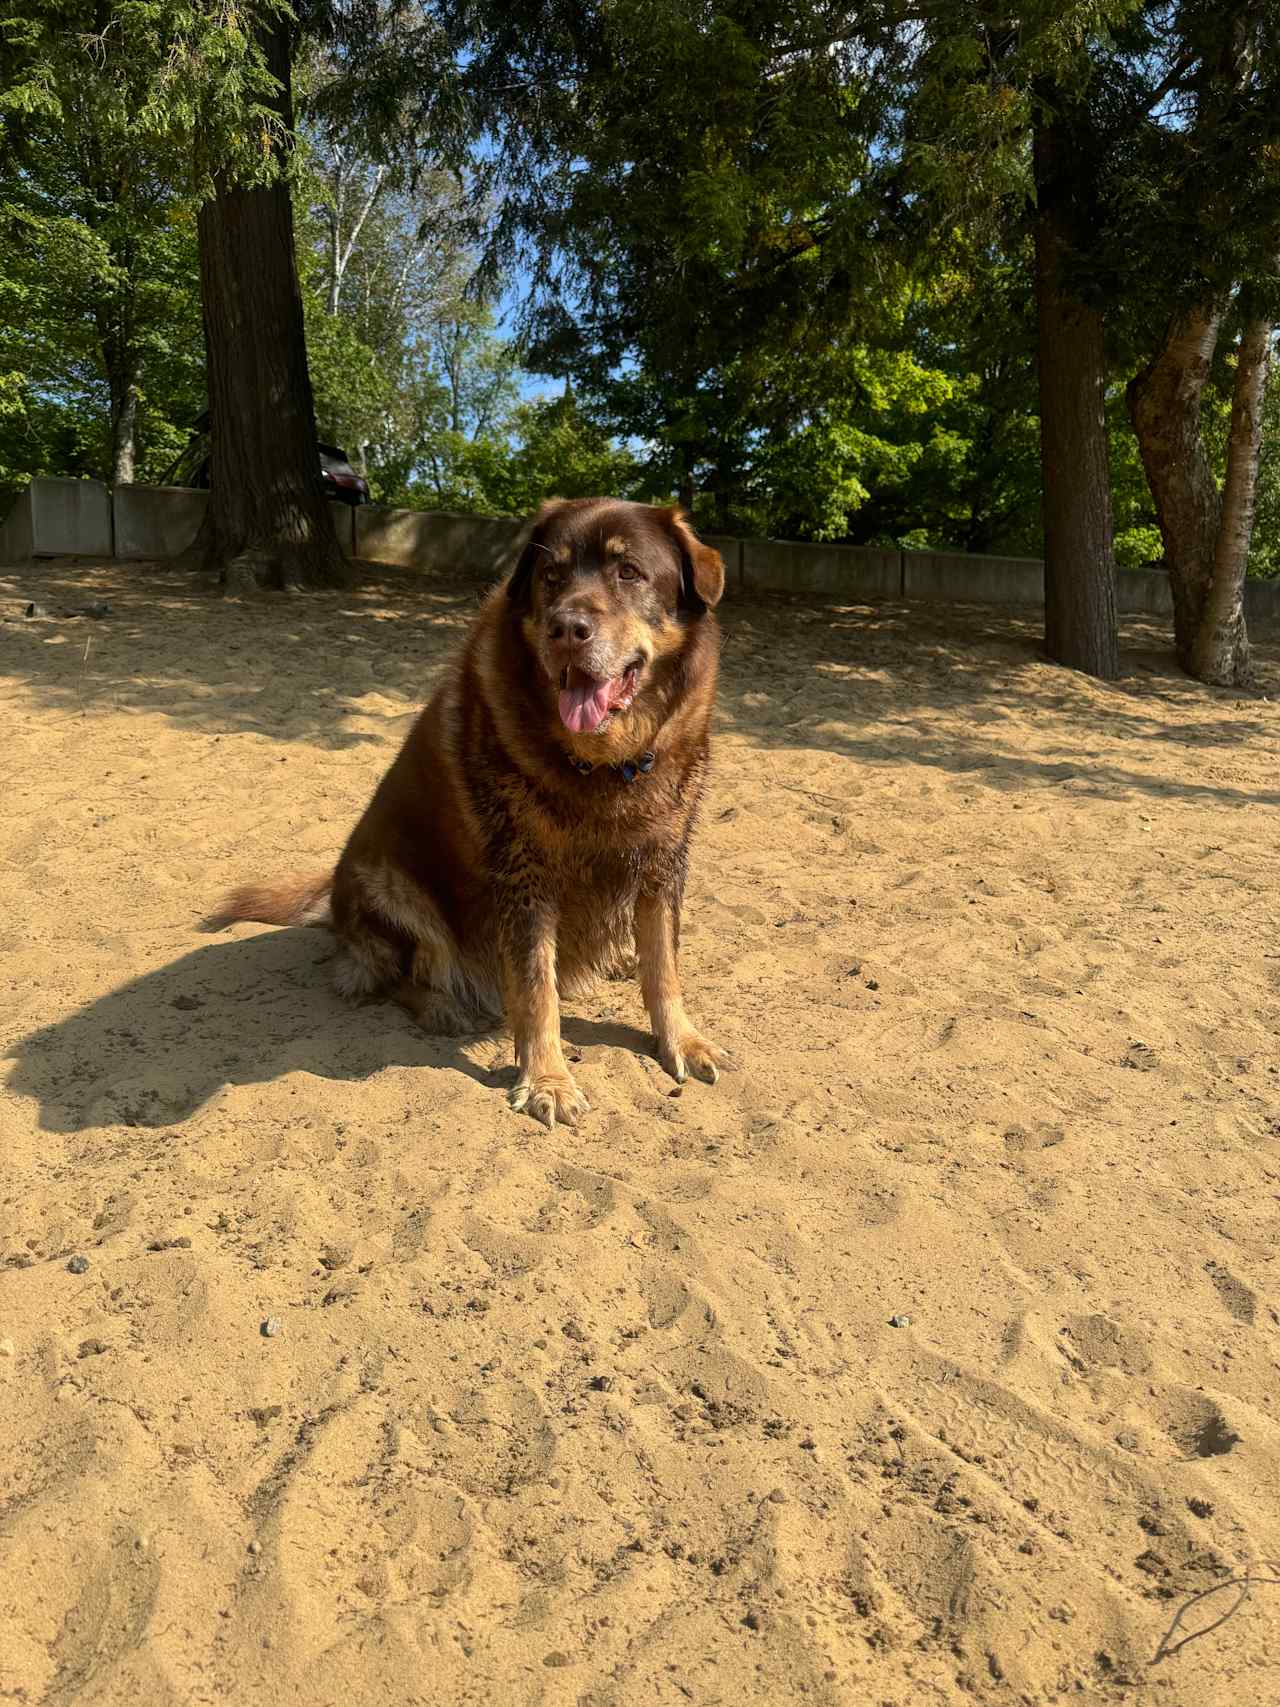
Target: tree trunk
{"x": 341, "y": 248}
{"x": 1079, "y": 568}
{"x": 124, "y": 425}
{"x": 454, "y": 373}
{"x": 267, "y": 522}
{"x": 335, "y": 256}
{"x": 1221, "y": 652}
{"x": 1164, "y": 407}
{"x": 1206, "y": 533}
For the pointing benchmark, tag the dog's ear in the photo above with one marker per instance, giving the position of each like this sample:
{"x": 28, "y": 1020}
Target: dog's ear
{"x": 701, "y": 566}
{"x": 522, "y": 575}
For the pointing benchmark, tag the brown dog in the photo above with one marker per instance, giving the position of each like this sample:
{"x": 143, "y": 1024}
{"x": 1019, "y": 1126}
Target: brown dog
{"x": 537, "y": 819}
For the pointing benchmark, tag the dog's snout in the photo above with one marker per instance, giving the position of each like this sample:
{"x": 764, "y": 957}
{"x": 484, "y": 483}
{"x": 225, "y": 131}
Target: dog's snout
{"x": 574, "y": 626}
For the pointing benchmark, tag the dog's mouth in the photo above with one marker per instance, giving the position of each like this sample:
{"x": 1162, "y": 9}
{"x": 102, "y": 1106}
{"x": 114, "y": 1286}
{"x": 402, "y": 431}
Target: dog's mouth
{"x": 587, "y": 702}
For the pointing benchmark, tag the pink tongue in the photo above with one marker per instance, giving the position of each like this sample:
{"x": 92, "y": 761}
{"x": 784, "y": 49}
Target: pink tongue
{"x": 585, "y": 708}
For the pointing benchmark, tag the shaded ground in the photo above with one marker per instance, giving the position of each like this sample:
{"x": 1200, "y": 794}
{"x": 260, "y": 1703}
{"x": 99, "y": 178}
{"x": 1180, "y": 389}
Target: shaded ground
{"x": 618, "y": 1414}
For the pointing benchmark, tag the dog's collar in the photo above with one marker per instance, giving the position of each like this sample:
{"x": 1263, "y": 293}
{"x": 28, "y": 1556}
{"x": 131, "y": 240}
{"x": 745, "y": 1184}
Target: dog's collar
{"x": 627, "y": 769}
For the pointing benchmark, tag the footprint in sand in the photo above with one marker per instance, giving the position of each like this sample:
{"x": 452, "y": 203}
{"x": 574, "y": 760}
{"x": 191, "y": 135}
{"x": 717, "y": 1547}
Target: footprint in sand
{"x": 108, "y": 1621}
{"x": 1196, "y": 1424}
{"x": 1098, "y": 1342}
{"x": 1240, "y": 1301}
{"x": 578, "y": 1201}
{"x": 493, "y": 1439}
{"x": 666, "y": 1298}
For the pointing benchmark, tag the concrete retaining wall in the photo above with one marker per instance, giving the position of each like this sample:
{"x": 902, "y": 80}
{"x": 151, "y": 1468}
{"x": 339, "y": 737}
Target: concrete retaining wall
{"x": 58, "y": 518}
{"x": 17, "y": 537}
{"x": 344, "y": 525}
{"x": 839, "y": 571}
{"x": 156, "y": 521}
{"x": 730, "y": 549}
{"x": 422, "y": 539}
{"x": 956, "y": 577}
{"x": 1143, "y": 592}
{"x": 161, "y": 521}
{"x": 1262, "y": 604}
{"x": 83, "y": 518}
{"x": 71, "y": 518}
{"x": 943, "y": 577}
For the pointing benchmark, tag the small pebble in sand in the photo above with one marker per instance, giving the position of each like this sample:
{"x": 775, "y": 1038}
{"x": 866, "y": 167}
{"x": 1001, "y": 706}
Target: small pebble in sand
{"x": 271, "y": 1327}
{"x": 777, "y": 1497}
{"x": 6, "y": 1348}
{"x": 255, "y": 1547}
{"x": 899, "y": 1321}
{"x": 78, "y": 1265}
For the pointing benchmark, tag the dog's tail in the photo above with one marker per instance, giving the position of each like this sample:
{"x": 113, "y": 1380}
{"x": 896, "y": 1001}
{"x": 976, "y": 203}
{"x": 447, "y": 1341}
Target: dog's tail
{"x": 294, "y": 901}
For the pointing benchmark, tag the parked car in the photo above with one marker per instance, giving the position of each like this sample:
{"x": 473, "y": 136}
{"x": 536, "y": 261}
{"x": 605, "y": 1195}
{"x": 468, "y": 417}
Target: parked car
{"x": 191, "y": 468}
{"x": 341, "y": 480}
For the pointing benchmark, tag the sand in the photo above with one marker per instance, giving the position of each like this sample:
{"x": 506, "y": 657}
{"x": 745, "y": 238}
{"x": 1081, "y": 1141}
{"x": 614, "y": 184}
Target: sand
{"x": 622, "y": 1414}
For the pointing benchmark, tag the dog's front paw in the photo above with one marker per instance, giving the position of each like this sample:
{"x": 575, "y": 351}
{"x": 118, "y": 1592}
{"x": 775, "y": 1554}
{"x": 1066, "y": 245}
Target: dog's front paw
{"x": 549, "y": 1097}
{"x": 692, "y": 1053}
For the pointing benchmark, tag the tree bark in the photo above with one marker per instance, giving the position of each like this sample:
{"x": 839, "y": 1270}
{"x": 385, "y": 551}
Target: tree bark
{"x": 1079, "y": 567}
{"x": 123, "y": 384}
{"x": 1206, "y": 532}
{"x": 1164, "y": 402}
{"x": 1221, "y": 652}
{"x": 453, "y": 342}
{"x": 267, "y": 523}
{"x": 342, "y": 248}
{"x": 335, "y": 237}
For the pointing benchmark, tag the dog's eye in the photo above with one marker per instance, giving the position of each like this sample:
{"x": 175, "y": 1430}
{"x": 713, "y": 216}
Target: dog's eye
{"x": 628, "y": 572}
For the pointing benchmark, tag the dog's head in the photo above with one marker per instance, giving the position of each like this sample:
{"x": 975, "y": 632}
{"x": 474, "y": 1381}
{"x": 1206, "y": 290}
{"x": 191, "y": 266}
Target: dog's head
{"x": 606, "y": 590}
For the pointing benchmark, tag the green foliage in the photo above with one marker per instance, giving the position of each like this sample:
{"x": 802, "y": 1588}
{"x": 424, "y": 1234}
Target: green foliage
{"x": 730, "y": 272}
{"x": 545, "y": 448}
{"x": 407, "y": 371}
{"x": 554, "y": 450}
{"x": 186, "y": 81}
{"x": 1137, "y": 538}
{"x": 873, "y": 420}
{"x": 928, "y": 436}
{"x": 777, "y": 258}
{"x": 98, "y": 265}
{"x": 1264, "y": 558}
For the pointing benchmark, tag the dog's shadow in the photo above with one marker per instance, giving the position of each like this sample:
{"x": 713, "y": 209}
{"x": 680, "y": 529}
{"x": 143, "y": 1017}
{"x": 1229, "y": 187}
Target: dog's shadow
{"x": 241, "y": 1011}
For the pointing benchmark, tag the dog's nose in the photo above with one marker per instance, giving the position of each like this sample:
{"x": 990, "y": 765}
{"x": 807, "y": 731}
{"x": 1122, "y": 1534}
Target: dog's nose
{"x": 574, "y": 626}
